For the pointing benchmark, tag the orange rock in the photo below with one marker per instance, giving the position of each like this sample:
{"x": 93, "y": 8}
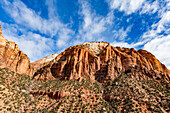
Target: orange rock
{"x": 42, "y": 62}
{"x": 106, "y": 63}
{"x": 42, "y": 68}
{"x": 14, "y": 59}
{"x": 94, "y": 61}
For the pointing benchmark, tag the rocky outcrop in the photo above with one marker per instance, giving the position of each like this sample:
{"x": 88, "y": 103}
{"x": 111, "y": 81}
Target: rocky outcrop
{"x": 154, "y": 63}
{"x": 102, "y": 62}
{"x": 44, "y": 61}
{"x": 94, "y": 61}
{"x": 42, "y": 68}
{"x": 52, "y": 94}
{"x": 11, "y": 57}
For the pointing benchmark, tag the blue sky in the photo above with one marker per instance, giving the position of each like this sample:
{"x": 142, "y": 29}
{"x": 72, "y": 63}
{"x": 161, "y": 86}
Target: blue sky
{"x": 42, "y": 27}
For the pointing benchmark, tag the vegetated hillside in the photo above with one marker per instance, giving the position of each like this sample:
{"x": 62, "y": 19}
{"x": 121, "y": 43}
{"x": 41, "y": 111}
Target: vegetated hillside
{"x": 127, "y": 94}
{"x": 19, "y": 93}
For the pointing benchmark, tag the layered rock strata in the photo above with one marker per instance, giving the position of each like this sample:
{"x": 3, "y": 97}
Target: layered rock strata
{"x": 94, "y": 61}
{"x": 11, "y": 57}
{"x": 42, "y": 68}
{"x": 102, "y": 62}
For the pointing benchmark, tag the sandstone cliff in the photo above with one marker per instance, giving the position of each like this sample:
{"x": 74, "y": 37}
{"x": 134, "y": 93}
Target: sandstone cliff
{"x": 11, "y": 57}
{"x": 40, "y": 68}
{"x": 102, "y": 62}
{"x": 94, "y": 61}
{"x": 44, "y": 61}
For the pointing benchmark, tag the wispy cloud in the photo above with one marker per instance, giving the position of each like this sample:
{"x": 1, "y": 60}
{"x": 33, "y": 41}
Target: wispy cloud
{"x": 131, "y": 45}
{"x": 34, "y": 45}
{"x": 156, "y": 38}
{"x": 162, "y": 26}
{"x": 93, "y": 25}
{"x": 52, "y": 10}
{"x": 127, "y": 6}
{"x": 29, "y": 18}
{"x": 158, "y": 35}
{"x": 160, "y": 48}
{"x": 64, "y": 37}
{"x": 150, "y": 8}
{"x": 121, "y": 34}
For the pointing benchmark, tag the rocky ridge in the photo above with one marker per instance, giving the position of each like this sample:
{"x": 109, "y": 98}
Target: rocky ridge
{"x": 41, "y": 71}
{"x": 11, "y": 57}
{"x": 90, "y": 77}
{"x": 92, "y": 60}
{"x": 102, "y": 62}
{"x": 42, "y": 62}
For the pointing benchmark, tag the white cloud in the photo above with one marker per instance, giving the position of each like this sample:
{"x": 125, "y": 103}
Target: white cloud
{"x": 160, "y": 48}
{"x": 158, "y": 35}
{"x": 52, "y": 10}
{"x": 93, "y": 25}
{"x": 128, "y": 6}
{"x": 64, "y": 36}
{"x": 150, "y": 7}
{"x": 121, "y": 34}
{"x": 35, "y": 45}
{"x": 127, "y": 45}
{"x": 160, "y": 26}
{"x": 32, "y": 44}
{"x": 30, "y": 19}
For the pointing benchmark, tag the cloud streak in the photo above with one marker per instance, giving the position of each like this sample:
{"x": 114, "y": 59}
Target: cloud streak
{"x": 159, "y": 47}
{"x": 33, "y": 44}
{"x": 29, "y": 18}
{"x": 93, "y": 25}
{"x": 127, "y": 6}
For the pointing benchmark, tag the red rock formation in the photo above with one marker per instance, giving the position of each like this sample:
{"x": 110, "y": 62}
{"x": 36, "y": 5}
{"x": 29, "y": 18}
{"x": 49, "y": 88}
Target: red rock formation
{"x": 42, "y": 68}
{"x": 94, "y": 61}
{"x": 52, "y": 94}
{"x": 14, "y": 59}
{"x": 100, "y": 61}
{"x": 44, "y": 61}
{"x": 11, "y": 57}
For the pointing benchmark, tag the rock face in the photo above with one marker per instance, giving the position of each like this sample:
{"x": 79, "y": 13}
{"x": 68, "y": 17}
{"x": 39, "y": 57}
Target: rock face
{"x": 102, "y": 62}
{"x": 41, "y": 68}
{"x": 94, "y": 61}
{"x": 44, "y": 61}
{"x": 14, "y": 59}
{"x": 53, "y": 95}
{"x": 11, "y": 57}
